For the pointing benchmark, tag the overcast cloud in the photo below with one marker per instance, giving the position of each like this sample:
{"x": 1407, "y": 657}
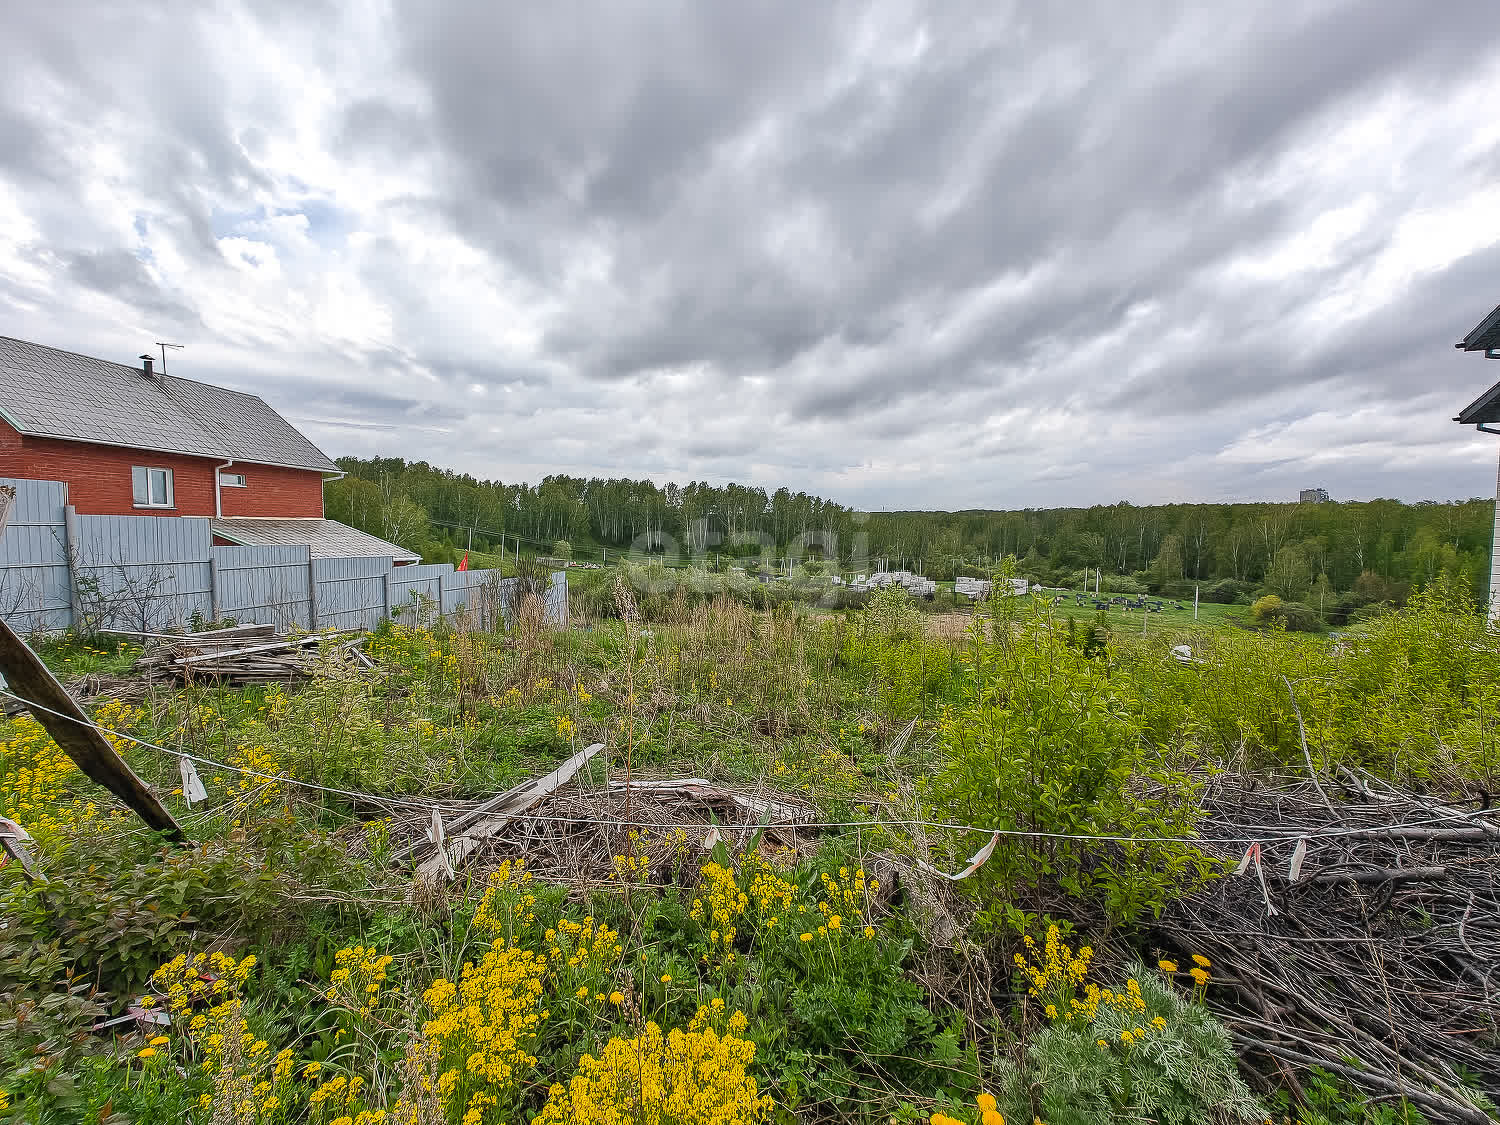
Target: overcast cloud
{"x": 902, "y": 255}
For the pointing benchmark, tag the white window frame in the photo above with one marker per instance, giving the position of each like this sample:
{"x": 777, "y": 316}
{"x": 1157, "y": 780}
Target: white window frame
{"x": 233, "y": 480}
{"x": 142, "y": 477}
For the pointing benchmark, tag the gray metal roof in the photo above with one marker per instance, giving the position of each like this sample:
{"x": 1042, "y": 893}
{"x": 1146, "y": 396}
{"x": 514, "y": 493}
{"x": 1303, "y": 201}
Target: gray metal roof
{"x": 1485, "y": 337}
{"x": 45, "y": 392}
{"x": 328, "y": 539}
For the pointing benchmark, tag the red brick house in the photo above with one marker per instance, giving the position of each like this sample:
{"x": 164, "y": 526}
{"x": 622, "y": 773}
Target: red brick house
{"x": 132, "y": 441}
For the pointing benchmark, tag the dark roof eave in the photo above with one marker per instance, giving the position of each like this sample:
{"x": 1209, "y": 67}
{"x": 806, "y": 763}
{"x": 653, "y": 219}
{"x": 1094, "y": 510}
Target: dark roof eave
{"x": 327, "y": 469}
{"x": 1486, "y": 335}
{"x": 1485, "y": 408}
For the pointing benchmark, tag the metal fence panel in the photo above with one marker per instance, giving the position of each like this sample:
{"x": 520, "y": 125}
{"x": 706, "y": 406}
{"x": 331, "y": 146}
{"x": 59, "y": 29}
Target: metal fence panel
{"x": 456, "y": 593}
{"x": 154, "y": 573}
{"x": 143, "y": 572}
{"x": 557, "y": 598}
{"x": 35, "y": 589}
{"x": 266, "y": 585}
{"x": 416, "y": 591}
{"x": 350, "y": 592}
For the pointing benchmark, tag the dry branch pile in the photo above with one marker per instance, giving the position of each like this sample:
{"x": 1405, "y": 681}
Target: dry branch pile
{"x": 249, "y": 654}
{"x": 573, "y": 832}
{"x": 1380, "y": 943}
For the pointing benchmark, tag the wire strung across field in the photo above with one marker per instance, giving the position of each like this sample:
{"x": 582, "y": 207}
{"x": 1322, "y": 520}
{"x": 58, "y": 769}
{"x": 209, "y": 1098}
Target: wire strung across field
{"x": 1368, "y": 930}
{"x": 1268, "y": 837}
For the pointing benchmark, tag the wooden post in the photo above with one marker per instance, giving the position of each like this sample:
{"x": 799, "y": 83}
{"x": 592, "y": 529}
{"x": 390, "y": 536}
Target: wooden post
{"x": 7, "y": 503}
{"x": 76, "y": 733}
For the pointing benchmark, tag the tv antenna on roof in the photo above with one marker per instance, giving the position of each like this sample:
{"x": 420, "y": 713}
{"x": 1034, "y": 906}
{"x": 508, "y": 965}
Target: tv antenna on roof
{"x": 164, "y": 348}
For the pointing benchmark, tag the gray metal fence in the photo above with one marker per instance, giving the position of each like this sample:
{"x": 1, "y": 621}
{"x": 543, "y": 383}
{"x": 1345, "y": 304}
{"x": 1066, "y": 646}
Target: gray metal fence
{"x": 156, "y": 573}
{"x": 35, "y": 586}
{"x": 268, "y": 585}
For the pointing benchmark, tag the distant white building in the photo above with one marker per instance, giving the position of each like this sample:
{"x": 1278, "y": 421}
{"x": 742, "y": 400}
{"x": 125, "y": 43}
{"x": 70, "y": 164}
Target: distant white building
{"x": 913, "y": 584}
{"x": 979, "y": 588}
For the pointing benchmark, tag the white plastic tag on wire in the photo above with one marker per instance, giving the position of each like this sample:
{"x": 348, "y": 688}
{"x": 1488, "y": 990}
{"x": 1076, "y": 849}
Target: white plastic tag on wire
{"x": 976, "y": 861}
{"x": 192, "y": 785}
{"x": 1299, "y": 856}
{"x": 1252, "y": 855}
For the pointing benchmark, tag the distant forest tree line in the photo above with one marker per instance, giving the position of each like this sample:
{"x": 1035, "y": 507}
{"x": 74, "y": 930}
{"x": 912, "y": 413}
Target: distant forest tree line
{"x": 1315, "y": 553}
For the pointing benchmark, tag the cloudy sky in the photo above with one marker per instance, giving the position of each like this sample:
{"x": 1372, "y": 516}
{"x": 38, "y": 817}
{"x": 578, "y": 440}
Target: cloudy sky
{"x": 904, "y": 255}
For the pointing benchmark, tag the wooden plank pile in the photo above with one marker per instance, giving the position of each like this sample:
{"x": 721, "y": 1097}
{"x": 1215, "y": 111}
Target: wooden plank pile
{"x": 250, "y": 654}
{"x": 571, "y": 832}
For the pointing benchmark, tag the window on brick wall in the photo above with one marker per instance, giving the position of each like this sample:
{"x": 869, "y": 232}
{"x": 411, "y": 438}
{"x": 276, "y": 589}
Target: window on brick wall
{"x": 151, "y": 487}
{"x": 232, "y": 480}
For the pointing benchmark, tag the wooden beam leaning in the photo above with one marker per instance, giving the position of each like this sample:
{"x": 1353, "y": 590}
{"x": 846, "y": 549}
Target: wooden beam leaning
{"x": 464, "y": 832}
{"x": 76, "y": 733}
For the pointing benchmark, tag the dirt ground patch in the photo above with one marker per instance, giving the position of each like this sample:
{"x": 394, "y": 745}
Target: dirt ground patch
{"x": 948, "y": 625}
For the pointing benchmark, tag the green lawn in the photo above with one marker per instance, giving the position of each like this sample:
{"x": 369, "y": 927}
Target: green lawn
{"x": 1209, "y": 613}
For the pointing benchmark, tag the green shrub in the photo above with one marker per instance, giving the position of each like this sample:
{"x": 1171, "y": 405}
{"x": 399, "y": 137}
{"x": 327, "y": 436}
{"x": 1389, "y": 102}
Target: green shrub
{"x": 1045, "y": 741}
{"x": 1301, "y": 618}
{"x": 887, "y": 642}
{"x": 1266, "y": 610}
{"x": 1226, "y": 591}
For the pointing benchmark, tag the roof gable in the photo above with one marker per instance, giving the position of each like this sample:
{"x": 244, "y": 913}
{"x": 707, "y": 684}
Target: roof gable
{"x": 46, "y": 392}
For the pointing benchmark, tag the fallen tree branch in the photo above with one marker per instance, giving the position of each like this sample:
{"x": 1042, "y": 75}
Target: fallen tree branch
{"x": 1456, "y": 1111}
{"x": 1381, "y": 875}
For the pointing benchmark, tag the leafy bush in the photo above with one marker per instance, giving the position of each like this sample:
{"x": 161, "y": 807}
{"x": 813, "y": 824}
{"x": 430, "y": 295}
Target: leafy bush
{"x": 1292, "y": 616}
{"x": 1226, "y": 591}
{"x": 888, "y": 643}
{"x": 1266, "y": 610}
{"x": 1044, "y": 741}
{"x": 1411, "y": 693}
{"x": 1301, "y": 618}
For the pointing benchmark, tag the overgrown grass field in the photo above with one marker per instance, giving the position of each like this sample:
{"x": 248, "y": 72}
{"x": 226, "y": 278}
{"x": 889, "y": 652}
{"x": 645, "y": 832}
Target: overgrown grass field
{"x": 302, "y": 974}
